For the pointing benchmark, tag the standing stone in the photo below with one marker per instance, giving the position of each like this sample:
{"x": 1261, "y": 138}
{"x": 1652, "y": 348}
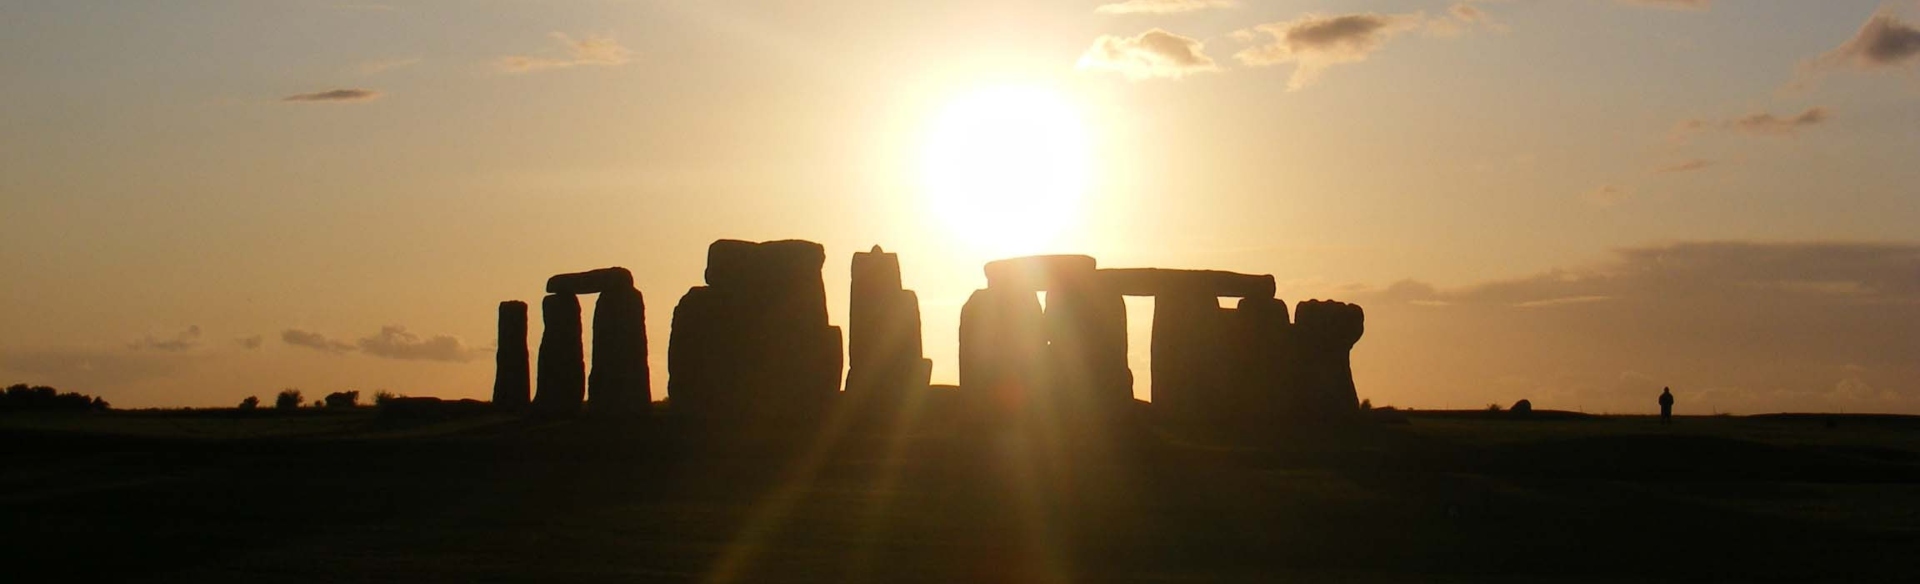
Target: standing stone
{"x": 510, "y": 374}
{"x": 1268, "y": 363}
{"x": 619, "y": 382}
{"x": 755, "y": 340}
{"x": 1086, "y": 329}
{"x": 562, "y": 374}
{"x": 1002, "y": 343}
{"x": 1324, "y": 335}
{"x": 1183, "y": 326}
{"x": 883, "y": 334}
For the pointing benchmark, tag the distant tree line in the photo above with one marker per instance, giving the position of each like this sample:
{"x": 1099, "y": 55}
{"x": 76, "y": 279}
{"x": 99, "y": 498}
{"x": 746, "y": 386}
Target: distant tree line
{"x": 291, "y": 398}
{"x": 22, "y": 397}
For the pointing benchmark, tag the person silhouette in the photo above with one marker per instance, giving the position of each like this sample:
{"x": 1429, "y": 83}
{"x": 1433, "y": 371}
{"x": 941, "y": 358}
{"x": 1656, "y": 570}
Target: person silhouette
{"x": 1666, "y": 405}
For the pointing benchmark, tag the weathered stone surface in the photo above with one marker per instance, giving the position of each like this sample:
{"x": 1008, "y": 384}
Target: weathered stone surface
{"x": 1002, "y": 342}
{"x": 755, "y": 340}
{"x": 1162, "y": 282}
{"x": 591, "y": 281}
{"x": 511, "y": 378}
{"x": 562, "y": 374}
{"x": 619, "y": 382}
{"x": 1034, "y": 273}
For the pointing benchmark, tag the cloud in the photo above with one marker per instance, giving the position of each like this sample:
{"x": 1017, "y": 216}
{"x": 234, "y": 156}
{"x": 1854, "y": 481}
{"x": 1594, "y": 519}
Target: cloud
{"x": 373, "y": 67}
{"x": 334, "y": 96}
{"x": 1690, "y": 5}
{"x": 1767, "y": 124}
{"x": 250, "y": 343}
{"x": 1730, "y": 325}
{"x": 1313, "y": 42}
{"x": 394, "y": 342}
{"x": 185, "y": 340}
{"x": 1608, "y": 195}
{"x": 1884, "y": 41}
{"x": 1462, "y": 15}
{"x": 594, "y": 50}
{"x": 1683, "y": 166}
{"x": 1161, "y": 6}
{"x": 1759, "y": 124}
{"x": 1155, "y": 53}
{"x": 315, "y": 341}
{"x": 1550, "y": 302}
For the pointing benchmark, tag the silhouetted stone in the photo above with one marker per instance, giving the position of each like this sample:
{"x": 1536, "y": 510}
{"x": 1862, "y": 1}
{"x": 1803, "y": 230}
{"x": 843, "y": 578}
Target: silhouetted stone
{"x": 1086, "y": 329}
{"x": 562, "y": 373}
{"x": 1161, "y": 282}
{"x": 619, "y": 382}
{"x": 1002, "y": 342}
{"x": 883, "y": 335}
{"x": 1521, "y": 407}
{"x": 1041, "y": 272}
{"x": 755, "y": 341}
{"x": 511, "y": 378}
{"x": 591, "y": 282}
{"x": 1268, "y": 363}
{"x": 1325, "y": 332}
{"x": 1187, "y": 328}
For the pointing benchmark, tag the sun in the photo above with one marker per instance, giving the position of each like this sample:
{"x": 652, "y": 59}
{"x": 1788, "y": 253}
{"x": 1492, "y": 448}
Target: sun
{"x": 1006, "y": 168}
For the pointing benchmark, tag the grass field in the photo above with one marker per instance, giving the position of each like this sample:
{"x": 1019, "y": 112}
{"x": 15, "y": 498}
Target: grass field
{"x": 1443, "y": 497}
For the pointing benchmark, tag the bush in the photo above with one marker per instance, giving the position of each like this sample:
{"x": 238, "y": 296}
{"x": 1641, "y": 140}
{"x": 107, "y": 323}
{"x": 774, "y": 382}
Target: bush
{"x": 343, "y": 399}
{"x": 385, "y": 396}
{"x": 1493, "y": 407}
{"x": 21, "y": 396}
{"x": 249, "y": 404}
{"x": 1366, "y": 405}
{"x": 288, "y": 399}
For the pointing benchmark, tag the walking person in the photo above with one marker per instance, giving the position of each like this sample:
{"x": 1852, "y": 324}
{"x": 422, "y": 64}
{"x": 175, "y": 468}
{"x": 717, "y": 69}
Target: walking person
{"x": 1666, "y": 405}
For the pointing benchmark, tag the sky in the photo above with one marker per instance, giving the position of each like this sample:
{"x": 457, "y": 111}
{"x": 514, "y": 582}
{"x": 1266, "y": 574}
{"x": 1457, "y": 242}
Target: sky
{"x": 1572, "y": 202}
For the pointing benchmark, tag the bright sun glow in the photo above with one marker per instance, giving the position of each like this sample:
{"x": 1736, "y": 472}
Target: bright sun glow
{"x": 1006, "y": 167}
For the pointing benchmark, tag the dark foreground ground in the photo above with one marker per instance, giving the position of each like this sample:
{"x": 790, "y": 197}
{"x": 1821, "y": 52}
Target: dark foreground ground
{"x": 353, "y": 496}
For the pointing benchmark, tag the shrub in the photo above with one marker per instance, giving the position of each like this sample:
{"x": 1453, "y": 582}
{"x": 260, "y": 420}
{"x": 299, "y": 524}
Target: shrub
{"x": 385, "y": 396}
{"x": 249, "y": 404}
{"x": 288, "y": 399}
{"x": 343, "y": 399}
{"x": 21, "y": 396}
{"x": 1366, "y": 404}
{"x": 1493, "y": 407}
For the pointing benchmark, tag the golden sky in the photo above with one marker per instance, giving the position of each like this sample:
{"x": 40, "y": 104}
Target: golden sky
{"x": 1572, "y": 202}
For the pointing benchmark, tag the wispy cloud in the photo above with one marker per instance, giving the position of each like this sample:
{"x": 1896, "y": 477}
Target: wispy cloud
{"x": 315, "y": 341}
{"x": 1161, "y": 6}
{"x": 1683, "y": 166}
{"x": 382, "y": 66}
{"x": 250, "y": 343}
{"x": 395, "y": 342}
{"x": 1314, "y": 43}
{"x": 1759, "y": 124}
{"x": 334, "y": 96}
{"x": 1608, "y": 195}
{"x": 594, "y": 50}
{"x": 1771, "y": 125}
{"x": 185, "y": 340}
{"x": 1155, "y": 53}
{"x": 1688, "y": 5}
